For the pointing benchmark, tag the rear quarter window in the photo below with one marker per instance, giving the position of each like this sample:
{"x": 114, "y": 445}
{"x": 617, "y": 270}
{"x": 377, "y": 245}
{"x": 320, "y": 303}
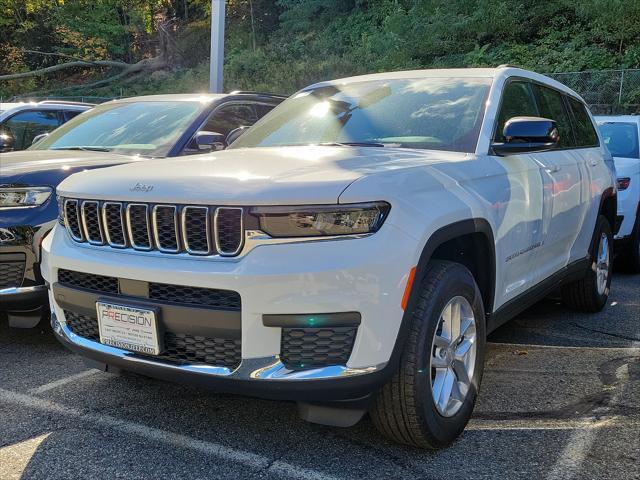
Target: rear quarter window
{"x": 585, "y": 132}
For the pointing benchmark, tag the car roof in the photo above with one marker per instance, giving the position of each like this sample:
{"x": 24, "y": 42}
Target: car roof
{"x": 503, "y": 71}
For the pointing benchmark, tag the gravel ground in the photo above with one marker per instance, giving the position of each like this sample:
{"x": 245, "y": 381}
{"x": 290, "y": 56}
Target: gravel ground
{"x": 560, "y": 399}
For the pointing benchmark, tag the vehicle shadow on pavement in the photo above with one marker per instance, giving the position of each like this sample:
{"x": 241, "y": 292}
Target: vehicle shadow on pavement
{"x": 559, "y": 400}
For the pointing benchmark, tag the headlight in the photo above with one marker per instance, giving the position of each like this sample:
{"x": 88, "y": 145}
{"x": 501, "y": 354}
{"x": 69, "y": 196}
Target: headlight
{"x": 322, "y": 220}
{"x": 17, "y": 197}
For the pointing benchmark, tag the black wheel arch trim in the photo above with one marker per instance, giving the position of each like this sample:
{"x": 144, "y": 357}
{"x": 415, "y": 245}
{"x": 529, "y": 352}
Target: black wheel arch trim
{"x": 439, "y": 237}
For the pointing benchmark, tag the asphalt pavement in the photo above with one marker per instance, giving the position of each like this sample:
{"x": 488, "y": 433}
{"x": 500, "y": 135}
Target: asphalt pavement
{"x": 560, "y": 399}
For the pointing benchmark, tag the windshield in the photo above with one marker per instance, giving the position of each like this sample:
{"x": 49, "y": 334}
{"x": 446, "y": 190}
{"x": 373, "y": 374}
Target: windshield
{"x": 621, "y": 138}
{"x": 429, "y": 113}
{"x": 129, "y": 128}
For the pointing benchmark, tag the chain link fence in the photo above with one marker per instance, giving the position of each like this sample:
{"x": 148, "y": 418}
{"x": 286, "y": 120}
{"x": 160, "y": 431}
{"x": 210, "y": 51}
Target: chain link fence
{"x": 605, "y": 91}
{"x": 609, "y": 92}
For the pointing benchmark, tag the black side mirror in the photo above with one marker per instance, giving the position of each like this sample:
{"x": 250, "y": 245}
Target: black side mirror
{"x": 527, "y": 134}
{"x": 234, "y": 134}
{"x": 209, "y": 141}
{"x": 37, "y": 138}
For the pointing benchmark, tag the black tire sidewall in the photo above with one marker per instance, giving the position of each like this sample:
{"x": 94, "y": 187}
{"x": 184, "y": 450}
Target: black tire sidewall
{"x": 458, "y": 281}
{"x": 601, "y": 227}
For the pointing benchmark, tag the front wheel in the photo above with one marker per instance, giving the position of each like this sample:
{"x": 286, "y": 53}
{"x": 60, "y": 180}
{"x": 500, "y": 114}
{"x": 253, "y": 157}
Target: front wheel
{"x": 429, "y": 400}
{"x": 590, "y": 293}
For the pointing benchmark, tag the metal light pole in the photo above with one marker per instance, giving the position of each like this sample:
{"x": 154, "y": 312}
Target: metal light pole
{"x": 217, "y": 46}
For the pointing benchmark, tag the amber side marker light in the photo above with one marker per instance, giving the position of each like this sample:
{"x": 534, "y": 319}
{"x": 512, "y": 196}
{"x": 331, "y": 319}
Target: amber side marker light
{"x": 407, "y": 288}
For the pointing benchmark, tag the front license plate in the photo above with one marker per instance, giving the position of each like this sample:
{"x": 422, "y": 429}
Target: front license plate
{"x": 129, "y": 328}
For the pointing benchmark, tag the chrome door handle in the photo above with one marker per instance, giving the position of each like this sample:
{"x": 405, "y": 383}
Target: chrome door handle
{"x": 553, "y": 168}
{"x": 594, "y": 162}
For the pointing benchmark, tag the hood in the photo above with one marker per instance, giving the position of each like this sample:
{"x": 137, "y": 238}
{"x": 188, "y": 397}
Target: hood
{"x": 252, "y": 176}
{"x": 49, "y": 167}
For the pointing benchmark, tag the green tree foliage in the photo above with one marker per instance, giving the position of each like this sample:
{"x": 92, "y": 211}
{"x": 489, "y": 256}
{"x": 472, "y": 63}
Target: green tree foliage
{"x": 282, "y": 45}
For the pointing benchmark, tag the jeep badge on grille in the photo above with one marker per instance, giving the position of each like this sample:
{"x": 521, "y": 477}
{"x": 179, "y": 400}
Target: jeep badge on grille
{"x": 141, "y": 187}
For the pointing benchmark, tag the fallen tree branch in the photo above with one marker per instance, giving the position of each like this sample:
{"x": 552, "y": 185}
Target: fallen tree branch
{"x": 63, "y": 66}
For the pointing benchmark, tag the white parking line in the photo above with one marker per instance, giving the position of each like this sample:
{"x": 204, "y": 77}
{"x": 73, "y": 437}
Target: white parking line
{"x": 243, "y": 457}
{"x": 63, "y": 381}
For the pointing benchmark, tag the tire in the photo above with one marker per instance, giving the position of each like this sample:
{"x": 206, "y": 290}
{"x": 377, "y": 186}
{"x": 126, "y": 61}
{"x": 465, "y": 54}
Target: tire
{"x": 404, "y": 410}
{"x": 629, "y": 260}
{"x": 588, "y": 294}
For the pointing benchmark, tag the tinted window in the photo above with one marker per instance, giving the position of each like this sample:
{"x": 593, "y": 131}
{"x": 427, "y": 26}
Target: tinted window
{"x": 430, "y": 113}
{"x": 517, "y": 101}
{"x": 621, "y": 138}
{"x": 69, "y": 114}
{"x": 586, "y": 135}
{"x": 230, "y": 117}
{"x": 24, "y": 126}
{"x": 551, "y": 106}
{"x": 145, "y": 128}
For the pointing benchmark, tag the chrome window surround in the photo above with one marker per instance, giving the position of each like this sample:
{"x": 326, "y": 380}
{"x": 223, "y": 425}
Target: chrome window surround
{"x": 156, "y": 237}
{"x": 130, "y": 229}
{"x": 66, "y": 220}
{"x": 85, "y": 227}
{"x": 183, "y": 224}
{"x": 216, "y": 236}
{"x": 106, "y": 225}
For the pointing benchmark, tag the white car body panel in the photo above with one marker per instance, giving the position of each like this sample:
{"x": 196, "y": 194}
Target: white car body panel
{"x": 629, "y": 199}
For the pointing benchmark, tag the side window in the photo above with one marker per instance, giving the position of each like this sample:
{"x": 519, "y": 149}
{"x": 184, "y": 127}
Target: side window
{"x": 24, "y": 126}
{"x": 552, "y": 106}
{"x": 586, "y": 135}
{"x": 230, "y": 117}
{"x": 262, "y": 109}
{"x": 69, "y": 114}
{"x": 517, "y": 101}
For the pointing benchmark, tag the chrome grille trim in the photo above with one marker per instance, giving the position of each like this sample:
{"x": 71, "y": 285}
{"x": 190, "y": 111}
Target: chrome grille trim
{"x": 216, "y": 235}
{"x": 111, "y": 243}
{"x": 156, "y": 235}
{"x": 130, "y": 229}
{"x": 70, "y": 203}
{"x": 185, "y": 233}
{"x": 83, "y": 213}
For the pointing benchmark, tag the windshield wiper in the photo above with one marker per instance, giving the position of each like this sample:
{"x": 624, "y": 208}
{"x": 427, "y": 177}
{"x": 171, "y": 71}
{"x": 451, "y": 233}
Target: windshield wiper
{"x": 351, "y": 144}
{"x": 87, "y": 149}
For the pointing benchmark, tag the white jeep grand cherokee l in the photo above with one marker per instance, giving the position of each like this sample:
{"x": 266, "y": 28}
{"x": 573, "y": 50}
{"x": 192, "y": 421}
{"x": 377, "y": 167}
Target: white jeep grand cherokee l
{"x": 350, "y": 251}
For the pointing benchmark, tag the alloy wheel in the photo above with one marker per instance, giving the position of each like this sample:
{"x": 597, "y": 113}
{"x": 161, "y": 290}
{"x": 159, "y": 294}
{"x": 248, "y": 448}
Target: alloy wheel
{"x": 453, "y": 356}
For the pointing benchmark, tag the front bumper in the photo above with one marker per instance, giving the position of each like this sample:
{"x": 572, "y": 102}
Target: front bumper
{"x": 366, "y": 275}
{"x": 21, "y": 234}
{"x": 263, "y": 377}
{"x": 23, "y": 298}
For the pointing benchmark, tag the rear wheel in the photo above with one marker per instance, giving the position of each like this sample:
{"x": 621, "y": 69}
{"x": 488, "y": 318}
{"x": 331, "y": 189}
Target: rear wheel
{"x": 590, "y": 293}
{"x": 429, "y": 400}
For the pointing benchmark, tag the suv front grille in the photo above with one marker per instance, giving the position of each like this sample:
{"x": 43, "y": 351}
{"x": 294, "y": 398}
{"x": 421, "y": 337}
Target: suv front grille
{"x": 11, "y": 273}
{"x": 88, "y": 281}
{"x": 178, "y": 347}
{"x": 303, "y": 348}
{"x": 162, "y": 292}
{"x": 191, "y": 229}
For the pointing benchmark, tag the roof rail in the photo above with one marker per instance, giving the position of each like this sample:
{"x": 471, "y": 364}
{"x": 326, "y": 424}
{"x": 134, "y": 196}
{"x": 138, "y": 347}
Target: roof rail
{"x": 251, "y": 92}
{"x": 508, "y": 65}
{"x": 65, "y": 102}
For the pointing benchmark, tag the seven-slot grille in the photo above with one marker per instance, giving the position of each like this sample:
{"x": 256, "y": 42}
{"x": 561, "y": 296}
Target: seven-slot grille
{"x": 194, "y": 229}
